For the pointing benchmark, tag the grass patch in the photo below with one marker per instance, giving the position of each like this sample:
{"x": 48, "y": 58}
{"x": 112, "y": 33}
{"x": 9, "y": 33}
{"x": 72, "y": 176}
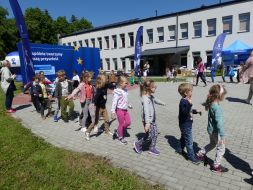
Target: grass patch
{"x": 164, "y": 79}
{"x": 28, "y": 162}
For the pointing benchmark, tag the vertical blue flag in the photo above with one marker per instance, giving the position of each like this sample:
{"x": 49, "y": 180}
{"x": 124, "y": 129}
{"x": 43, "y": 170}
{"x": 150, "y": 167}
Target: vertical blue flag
{"x": 137, "y": 52}
{"x": 20, "y": 22}
{"x": 217, "y": 50}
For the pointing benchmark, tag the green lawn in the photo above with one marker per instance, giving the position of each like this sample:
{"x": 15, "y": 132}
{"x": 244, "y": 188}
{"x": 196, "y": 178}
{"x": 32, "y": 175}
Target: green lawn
{"x": 28, "y": 162}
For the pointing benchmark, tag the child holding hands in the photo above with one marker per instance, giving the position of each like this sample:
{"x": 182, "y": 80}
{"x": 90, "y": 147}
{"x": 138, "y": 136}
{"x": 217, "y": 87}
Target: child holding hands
{"x": 119, "y": 108}
{"x": 147, "y": 88}
{"x": 215, "y": 127}
{"x": 185, "y": 121}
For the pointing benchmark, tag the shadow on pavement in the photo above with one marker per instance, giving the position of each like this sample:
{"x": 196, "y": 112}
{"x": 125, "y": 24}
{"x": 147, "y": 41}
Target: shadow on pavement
{"x": 239, "y": 164}
{"x": 231, "y": 99}
{"x": 23, "y": 107}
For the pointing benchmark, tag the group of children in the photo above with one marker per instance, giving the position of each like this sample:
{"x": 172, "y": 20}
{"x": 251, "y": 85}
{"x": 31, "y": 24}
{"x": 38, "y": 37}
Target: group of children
{"x": 93, "y": 100}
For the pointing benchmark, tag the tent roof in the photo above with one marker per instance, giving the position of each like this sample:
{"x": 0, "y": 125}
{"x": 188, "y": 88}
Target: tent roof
{"x": 237, "y": 46}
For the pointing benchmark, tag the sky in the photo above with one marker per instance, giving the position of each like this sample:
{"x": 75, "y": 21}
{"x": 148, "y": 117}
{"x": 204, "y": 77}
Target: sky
{"x": 102, "y": 12}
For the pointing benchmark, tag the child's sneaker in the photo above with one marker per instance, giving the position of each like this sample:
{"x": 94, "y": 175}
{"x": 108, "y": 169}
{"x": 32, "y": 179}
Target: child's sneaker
{"x": 200, "y": 157}
{"x": 122, "y": 141}
{"x": 95, "y": 129}
{"x": 55, "y": 118}
{"x": 108, "y": 133}
{"x": 87, "y": 136}
{"x": 219, "y": 169}
{"x": 154, "y": 151}
{"x": 84, "y": 129}
{"x": 137, "y": 147}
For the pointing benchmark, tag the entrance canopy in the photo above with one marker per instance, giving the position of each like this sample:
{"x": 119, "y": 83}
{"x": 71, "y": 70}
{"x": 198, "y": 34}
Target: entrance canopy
{"x": 163, "y": 51}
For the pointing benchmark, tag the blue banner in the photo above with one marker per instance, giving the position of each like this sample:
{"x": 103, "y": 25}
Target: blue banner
{"x": 137, "y": 52}
{"x": 27, "y": 57}
{"x": 217, "y": 50}
{"x": 52, "y": 58}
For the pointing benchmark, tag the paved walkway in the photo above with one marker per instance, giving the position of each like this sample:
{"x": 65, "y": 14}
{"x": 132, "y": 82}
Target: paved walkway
{"x": 168, "y": 169}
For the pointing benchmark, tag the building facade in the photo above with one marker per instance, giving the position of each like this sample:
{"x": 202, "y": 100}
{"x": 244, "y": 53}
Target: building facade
{"x": 175, "y": 39}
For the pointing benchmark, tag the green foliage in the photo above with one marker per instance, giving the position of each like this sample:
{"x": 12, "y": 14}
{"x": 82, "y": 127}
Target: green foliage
{"x": 41, "y": 28}
{"x": 28, "y": 162}
{"x": 8, "y": 34}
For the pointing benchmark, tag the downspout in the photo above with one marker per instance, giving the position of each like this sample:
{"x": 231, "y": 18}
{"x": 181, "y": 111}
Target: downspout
{"x": 177, "y": 31}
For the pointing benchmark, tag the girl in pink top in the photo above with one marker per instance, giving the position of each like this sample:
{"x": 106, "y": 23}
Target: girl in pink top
{"x": 119, "y": 108}
{"x": 86, "y": 98}
{"x": 201, "y": 69}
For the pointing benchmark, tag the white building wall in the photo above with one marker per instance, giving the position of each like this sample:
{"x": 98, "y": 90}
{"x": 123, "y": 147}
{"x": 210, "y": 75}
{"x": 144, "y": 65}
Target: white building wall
{"x": 203, "y": 44}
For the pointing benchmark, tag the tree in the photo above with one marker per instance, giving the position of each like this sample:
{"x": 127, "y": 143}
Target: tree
{"x": 62, "y": 26}
{"x": 8, "y": 33}
{"x": 40, "y": 26}
{"x": 80, "y": 25}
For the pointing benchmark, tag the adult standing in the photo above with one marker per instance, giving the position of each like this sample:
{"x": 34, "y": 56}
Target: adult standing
{"x": 201, "y": 69}
{"x": 247, "y": 76}
{"x": 8, "y": 85}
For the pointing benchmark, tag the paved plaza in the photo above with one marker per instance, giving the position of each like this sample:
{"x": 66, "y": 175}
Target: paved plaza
{"x": 169, "y": 169}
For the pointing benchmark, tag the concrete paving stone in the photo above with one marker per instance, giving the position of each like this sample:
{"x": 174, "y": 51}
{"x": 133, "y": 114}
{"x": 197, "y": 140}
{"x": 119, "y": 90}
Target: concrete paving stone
{"x": 209, "y": 180}
{"x": 198, "y": 182}
{"x": 215, "y": 187}
{"x": 238, "y": 124}
{"x": 229, "y": 185}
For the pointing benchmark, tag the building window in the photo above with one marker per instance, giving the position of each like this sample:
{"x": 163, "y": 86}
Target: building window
{"x": 195, "y": 56}
{"x": 107, "y": 60}
{"x": 122, "y": 39}
{"x": 93, "y": 42}
{"x": 115, "y": 62}
{"x": 87, "y": 43}
{"x": 131, "y": 39}
{"x": 227, "y": 24}
{"x": 244, "y": 20}
{"x": 183, "y": 59}
{"x": 80, "y": 43}
{"x": 114, "y": 41}
{"x": 160, "y": 32}
{"x": 197, "y": 29}
{"x": 132, "y": 64}
{"x": 211, "y": 27}
{"x": 74, "y": 43}
{"x": 101, "y": 63}
{"x": 209, "y": 55}
{"x": 100, "y": 43}
{"x": 184, "y": 30}
{"x": 172, "y": 32}
{"x": 107, "y": 42}
{"x": 150, "y": 35}
{"x": 123, "y": 62}
{"x": 69, "y": 43}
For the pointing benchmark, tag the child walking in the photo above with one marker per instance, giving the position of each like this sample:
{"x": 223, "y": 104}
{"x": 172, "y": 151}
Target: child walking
{"x": 215, "y": 127}
{"x": 44, "y": 98}
{"x": 185, "y": 121}
{"x": 86, "y": 98}
{"x": 147, "y": 88}
{"x": 62, "y": 90}
{"x": 33, "y": 88}
{"x": 119, "y": 108}
{"x": 100, "y": 99}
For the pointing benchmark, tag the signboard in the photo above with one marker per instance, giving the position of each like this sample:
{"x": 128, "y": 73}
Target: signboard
{"x": 52, "y": 58}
